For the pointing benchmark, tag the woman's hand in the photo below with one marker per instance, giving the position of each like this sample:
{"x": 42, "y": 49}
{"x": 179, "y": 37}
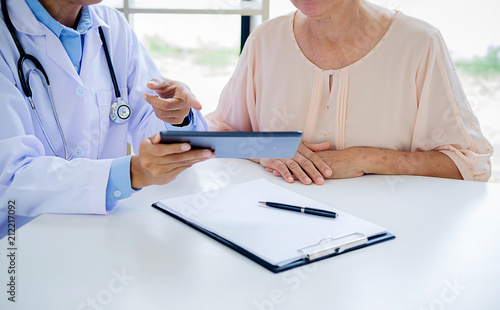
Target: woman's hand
{"x": 162, "y": 163}
{"x": 306, "y": 166}
{"x": 345, "y": 163}
{"x": 173, "y": 102}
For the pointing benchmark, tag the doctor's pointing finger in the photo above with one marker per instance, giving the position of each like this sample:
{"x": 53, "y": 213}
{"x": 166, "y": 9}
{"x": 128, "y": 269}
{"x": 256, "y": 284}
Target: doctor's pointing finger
{"x": 173, "y": 101}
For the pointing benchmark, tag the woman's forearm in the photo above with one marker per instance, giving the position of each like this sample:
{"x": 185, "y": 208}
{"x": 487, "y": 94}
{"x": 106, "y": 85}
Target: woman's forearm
{"x": 424, "y": 163}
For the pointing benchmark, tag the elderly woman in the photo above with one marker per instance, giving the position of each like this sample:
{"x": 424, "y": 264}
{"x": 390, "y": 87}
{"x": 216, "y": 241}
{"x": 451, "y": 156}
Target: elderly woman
{"x": 373, "y": 90}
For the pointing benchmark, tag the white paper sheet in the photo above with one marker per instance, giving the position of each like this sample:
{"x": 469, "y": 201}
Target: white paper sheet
{"x": 274, "y": 235}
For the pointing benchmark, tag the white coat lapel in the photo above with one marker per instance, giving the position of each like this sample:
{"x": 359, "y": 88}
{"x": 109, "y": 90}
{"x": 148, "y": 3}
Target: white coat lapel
{"x": 56, "y": 51}
{"x": 92, "y": 47}
{"x": 23, "y": 19}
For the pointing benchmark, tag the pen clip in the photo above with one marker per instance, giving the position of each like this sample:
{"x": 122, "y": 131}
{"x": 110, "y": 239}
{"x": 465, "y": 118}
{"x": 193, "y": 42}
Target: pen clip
{"x": 330, "y": 246}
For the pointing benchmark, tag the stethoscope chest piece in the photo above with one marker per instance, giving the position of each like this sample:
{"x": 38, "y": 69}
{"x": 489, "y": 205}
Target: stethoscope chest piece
{"x": 120, "y": 111}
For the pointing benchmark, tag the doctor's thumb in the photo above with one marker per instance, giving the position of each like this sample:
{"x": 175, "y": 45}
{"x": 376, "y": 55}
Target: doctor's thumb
{"x": 155, "y": 139}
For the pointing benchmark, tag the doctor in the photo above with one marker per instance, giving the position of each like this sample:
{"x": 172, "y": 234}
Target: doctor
{"x": 82, "y": 93}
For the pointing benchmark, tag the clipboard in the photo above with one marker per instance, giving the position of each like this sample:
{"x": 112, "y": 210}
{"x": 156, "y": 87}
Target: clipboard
{"x": 239, "y": 144}
{"x": 324, "y": 247}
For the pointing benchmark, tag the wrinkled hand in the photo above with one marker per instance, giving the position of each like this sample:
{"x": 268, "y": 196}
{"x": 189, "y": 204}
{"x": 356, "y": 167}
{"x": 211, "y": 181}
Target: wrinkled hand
{"x": 173, "y": 102}
{"x": 162, "y": 163}
{"x": 345, "y": 163}
{"x": 306, "y": 166}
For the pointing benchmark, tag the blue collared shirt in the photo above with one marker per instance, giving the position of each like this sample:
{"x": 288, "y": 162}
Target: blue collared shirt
{"x": 119, "y": 185}
{"x": 71, "y": 39}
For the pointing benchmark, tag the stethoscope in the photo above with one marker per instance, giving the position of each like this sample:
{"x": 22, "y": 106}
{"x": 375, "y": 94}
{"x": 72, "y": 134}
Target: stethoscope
{"x": 119, "y": 113}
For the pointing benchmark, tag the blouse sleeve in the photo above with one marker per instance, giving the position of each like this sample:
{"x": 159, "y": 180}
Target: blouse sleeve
{"x": 236, "y": 108}
{"x": 445, "y": 121}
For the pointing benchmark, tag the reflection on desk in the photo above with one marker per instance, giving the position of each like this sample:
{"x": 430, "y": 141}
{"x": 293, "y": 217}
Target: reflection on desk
{"x": 445, "y": 257}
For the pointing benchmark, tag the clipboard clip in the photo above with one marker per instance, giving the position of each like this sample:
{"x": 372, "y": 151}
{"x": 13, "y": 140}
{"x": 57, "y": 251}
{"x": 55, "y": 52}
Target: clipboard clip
{"x": 330, "y": 245}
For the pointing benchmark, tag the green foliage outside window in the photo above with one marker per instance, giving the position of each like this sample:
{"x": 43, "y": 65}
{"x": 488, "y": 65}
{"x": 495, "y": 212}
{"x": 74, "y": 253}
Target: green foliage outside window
{"x": 487, "y": 66}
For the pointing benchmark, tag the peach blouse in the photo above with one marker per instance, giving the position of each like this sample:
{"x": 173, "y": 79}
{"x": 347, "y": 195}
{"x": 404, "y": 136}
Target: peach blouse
{"x": 403, "y": 95}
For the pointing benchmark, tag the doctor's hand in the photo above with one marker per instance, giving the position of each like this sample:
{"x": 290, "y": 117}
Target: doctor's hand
{"x": 173, "y": 102}
{"x": 161, "y": 163}
{"x": 306, "y": 166}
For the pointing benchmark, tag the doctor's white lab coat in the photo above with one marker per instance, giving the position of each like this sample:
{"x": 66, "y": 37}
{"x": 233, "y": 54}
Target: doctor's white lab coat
{"x": 30, "y": 174}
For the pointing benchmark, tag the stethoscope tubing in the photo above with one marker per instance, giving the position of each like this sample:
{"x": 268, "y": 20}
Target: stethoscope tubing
{"x": 54, "y": 113}
{"x": 22, "y": 54}
{"x": 110, "y": 64}
{"x": 38, "y": 65}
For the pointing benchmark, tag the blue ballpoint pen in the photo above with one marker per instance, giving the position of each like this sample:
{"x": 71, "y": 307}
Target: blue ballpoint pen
{"x": 301, "y": 209}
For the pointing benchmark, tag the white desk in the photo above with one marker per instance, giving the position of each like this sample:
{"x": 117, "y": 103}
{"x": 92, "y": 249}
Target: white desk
{"x": 446, "y": 254}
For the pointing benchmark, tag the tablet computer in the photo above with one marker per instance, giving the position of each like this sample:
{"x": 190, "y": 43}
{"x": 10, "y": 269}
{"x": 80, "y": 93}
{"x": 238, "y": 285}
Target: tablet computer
{"x": 239, "y": 144}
